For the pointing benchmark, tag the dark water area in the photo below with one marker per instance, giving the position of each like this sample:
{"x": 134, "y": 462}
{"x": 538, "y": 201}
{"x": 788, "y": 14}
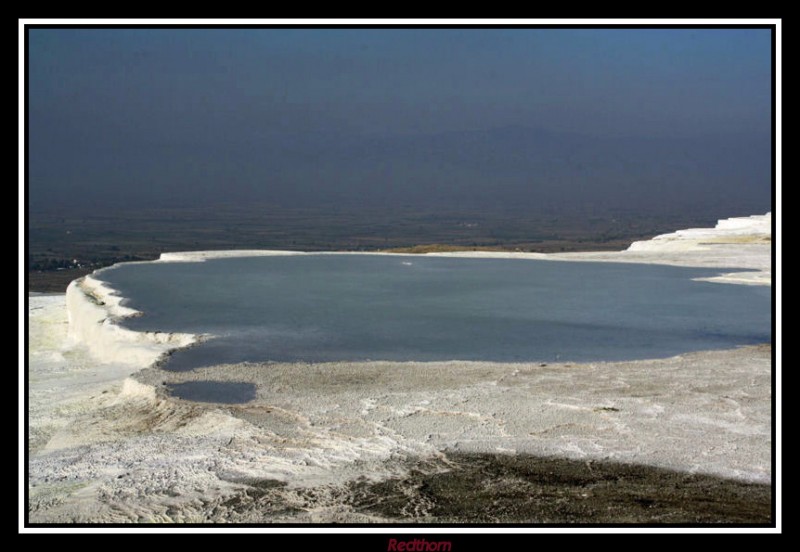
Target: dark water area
{"x": 349, "y": 307}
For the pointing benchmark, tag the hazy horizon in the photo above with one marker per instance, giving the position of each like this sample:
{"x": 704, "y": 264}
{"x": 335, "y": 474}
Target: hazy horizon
{"x": 652, "y": 120}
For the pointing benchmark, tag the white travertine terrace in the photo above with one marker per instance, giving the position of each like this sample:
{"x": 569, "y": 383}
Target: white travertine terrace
{"x": 93, "y": 310}
{"x": 108, "y": 445}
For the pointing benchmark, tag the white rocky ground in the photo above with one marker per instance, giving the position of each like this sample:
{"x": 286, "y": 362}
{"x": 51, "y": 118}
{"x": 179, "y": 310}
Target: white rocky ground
{"x": 107, "y": 444}
{"x": 741, "y": 243}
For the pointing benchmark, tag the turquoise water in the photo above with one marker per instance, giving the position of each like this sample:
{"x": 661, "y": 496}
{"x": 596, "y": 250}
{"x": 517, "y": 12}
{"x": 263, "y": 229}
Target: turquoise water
{"x": 317, "y": 308}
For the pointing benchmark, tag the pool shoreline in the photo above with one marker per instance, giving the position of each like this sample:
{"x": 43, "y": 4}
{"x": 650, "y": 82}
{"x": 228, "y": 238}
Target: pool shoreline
{"x": 109, "y": 444}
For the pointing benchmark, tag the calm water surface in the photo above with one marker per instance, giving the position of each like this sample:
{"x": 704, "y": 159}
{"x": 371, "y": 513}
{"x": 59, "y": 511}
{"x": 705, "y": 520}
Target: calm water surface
{"x": 318, "y": 308}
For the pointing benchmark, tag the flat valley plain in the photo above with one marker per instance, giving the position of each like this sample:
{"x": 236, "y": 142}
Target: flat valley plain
{"x": 67, "y": 244}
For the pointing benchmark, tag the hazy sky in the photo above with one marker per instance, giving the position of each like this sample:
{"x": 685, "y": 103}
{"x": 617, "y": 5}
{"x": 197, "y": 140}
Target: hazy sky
{"x": 134, "y": 114}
